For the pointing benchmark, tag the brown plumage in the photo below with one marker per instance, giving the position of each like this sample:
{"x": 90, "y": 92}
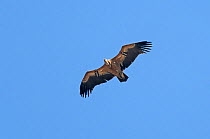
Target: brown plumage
{"x": 113, "y": 67}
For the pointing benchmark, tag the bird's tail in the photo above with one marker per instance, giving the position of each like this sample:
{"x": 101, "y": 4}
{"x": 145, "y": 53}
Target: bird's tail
{"x": 123, "y": 77}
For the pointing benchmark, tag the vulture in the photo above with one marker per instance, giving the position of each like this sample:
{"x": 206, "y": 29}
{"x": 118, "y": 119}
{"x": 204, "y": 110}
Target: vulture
{"x": 113, "y": 67}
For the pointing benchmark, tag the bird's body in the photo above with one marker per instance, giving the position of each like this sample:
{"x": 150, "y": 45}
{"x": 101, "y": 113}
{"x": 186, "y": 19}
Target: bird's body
{"x": 113, "y": 67}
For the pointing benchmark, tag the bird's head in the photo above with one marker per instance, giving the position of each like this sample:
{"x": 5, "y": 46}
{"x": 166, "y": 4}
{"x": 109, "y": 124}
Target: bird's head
{"x": 107, "y": 61}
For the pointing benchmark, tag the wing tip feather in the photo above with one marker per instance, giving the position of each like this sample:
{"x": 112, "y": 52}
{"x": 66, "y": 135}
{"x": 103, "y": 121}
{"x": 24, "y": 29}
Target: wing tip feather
{"x": 145, "y": 46}
{"x": 84, "y": 90}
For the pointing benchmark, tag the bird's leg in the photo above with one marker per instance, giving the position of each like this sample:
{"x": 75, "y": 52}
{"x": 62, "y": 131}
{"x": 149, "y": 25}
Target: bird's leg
{"x": 120, "y": 74}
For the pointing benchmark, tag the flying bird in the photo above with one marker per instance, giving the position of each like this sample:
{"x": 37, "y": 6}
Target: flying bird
{"x": 113, "y": 67}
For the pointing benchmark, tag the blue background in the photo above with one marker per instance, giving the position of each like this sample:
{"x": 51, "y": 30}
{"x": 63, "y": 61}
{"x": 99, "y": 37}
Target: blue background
{"x": 47, "y": 46}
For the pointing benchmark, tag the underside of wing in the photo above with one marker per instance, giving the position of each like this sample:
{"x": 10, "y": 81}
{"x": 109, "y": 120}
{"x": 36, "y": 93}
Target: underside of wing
{"x": 93, "y": 78}
{"x": 129, "y": 52}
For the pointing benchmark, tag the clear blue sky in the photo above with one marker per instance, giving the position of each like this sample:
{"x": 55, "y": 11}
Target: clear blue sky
{"x": 47, "y": 46}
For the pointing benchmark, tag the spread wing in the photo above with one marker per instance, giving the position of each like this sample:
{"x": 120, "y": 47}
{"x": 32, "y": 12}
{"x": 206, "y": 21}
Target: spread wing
{"x": 93, "y": 78}
{"x": 128, "y": 53}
